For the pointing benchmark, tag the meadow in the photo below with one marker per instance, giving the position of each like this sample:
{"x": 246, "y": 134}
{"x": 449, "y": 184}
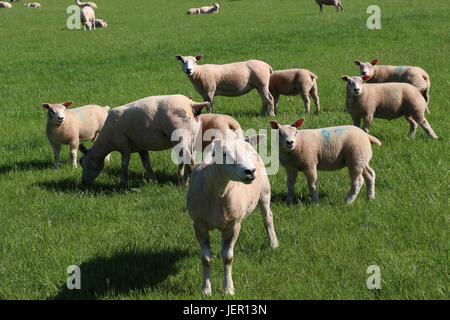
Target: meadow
{"x": 137, "y": 242}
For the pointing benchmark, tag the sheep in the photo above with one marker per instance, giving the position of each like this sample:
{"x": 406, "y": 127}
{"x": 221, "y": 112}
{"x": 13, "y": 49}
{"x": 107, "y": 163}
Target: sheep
{"x": 326, "y": 149}
{"x": 292, "y": 82}
{"x": 233, "y": 79}
{"x": 86, "y": 4}
{"x": 141, "y": 126}
{"x": 203, "y": 10}
{"x": 217, "y": 126}
{"x": 336, "y": 3}
{"x": 33, "y": 5}
{"x": 72, "y": 126}
{"x": 221, "y": 195}
{"x": 100, "y": 23}
{"x": 87, "y": 16}
{"x": 389, "y": 100}
{"x": 384, "y": 73}
{"x": 5, "y": 5}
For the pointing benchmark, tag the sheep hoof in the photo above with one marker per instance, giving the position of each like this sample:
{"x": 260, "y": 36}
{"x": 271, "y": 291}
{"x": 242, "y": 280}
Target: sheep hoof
{"x": 206, "y": 291}
{"x": 229, "y": 291}
{"x": 274, "y": 244}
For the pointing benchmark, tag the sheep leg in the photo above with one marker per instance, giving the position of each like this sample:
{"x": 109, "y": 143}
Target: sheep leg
{"x": 305, "y": 98}
{"x": 210, "y": 98}
{"x": 367, "y": 121}
{"x": 56, "y": 154}
{"x": 145, "y": 159}
{"x": 311, "y": 177}
{"x": 426, "y": 126}
{"x": 229, "y": 238}
{"x": 267, "y": 217}
{"x": 268, "y": 103}
{"x": 73, "y": 153}
{"x": 369, "y": 177}
{"x": 202, "y": 235}
{"x": 412, "y": 126}
{"x": 315, "y": 96}
{"x": 125, "y": 163}
{"x": 356, "y": 121}
{"x": 276, "y": 98}
{"x": 357, "y": 182}
{"x": 320, "y": 8}
{"x": 291, "y": 179}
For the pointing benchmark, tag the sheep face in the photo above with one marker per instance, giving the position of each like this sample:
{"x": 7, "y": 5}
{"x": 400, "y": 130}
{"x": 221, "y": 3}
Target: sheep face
{"x": 188, "y": 64}
{"x": 216, "y": 5}
{"x": 355, "y": 84}
{"x": 56, "y": 112}
{"x": 366, "y": 68}
{"x": 91, "y": 169}
{"x": 287, "y": 133}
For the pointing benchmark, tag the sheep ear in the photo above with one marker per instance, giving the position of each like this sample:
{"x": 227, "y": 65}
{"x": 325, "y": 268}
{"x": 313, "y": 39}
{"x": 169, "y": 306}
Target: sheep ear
{"x": 374, "y": 62}
{"x": 45, "y": 105}
{"x": 298, "y": 123}
{"x": 199, "y": 57}
{"x": 274, "y": 124}
{"x": 345, "y": 78}
{"x": 365, "y": 78}
{"x": 178, "y": 57}
{"x": 357, "y": 62}
{"x": 255, "y": 139}
{"x": 67, "y": 104}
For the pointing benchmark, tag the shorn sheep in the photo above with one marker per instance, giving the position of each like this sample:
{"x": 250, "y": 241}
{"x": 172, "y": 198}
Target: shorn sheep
{"x": 5, "y": 5}
{"x": 336, "y": 3}
{"x": 72, "y": 126}
{"x": 142, "y": 126}
{"x": 292, "y": 82}
{"x": 233, "y": 79}
{"x": 389, "y": 100}
{"x": 223, "y": 191}
{"x": 203, "y": 10}
{"x": 86, "y": 4}
{"x": 326, "y": 149}
{"x": 384, "y": 73}
{"x": 87, "y": 16}
{"x": 33, "y": 5}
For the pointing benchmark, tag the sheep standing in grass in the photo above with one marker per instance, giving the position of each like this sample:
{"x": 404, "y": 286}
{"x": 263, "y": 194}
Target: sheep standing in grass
{"x": 223, "y": 191}
{"x": 87, "y": 16}
{"x": 384, "y": 73}
{"x": 217, "y": 126}
{"x": 86, "y": 4}
{"x": 142, "y": 126}
{"x": 33, "y": 5}
{"x": 326, "y": 149}
{"x": 389, "y": 100}
{"x": 292, "y": 82}
{"x": 73, "y": 126}
{"x": 204, "y": 10}
{"x": 336, "y": 3}
{"x": 233, "y": 79}
{"x": 5, "y": 5}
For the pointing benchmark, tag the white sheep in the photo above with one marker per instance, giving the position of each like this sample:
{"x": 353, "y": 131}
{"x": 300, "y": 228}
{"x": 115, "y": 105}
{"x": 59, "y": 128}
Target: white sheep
{"x": 86, "y": 4}
{"x": 141, "y": 126}
{"x": 5, "y": 5}
{"x": 100, "y": 23}
{"x": 336, "y": 3}
{"x": 327, "y": 149}
{"x": 33, "y": 5}
{"x": 217, "y": 126}
{"x": 72, "y": 126}
{"x": 389, "y": 100}
{"x": 384, "y": 73}
{"x": 203, "y": 10}
{"x": 233, "y": 79}
{"x": 292, "y": 82}
{"x": 223, "y": 191}
{"x": 87, "y": 16}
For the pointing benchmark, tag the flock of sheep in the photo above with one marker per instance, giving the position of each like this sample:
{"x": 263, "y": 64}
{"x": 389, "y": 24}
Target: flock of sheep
{"x": 4, "y": 4}
{"x": 232, "y": 180}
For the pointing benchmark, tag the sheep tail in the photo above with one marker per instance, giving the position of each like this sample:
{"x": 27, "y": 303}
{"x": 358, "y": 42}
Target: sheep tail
{"x": 313, "y": 76}
{"x": 82, "y": 148}
{"x": 107, "y": 108}
{"x": 374, "y": 140}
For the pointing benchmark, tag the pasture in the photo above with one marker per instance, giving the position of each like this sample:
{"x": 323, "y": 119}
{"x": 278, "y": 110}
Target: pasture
{"x": 137, "y": 242}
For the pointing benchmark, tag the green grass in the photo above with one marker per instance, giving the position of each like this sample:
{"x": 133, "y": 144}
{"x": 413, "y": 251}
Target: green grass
{"x": 138, "y": 242}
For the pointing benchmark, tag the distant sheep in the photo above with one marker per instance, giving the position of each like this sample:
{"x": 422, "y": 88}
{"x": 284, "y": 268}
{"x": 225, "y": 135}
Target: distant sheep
{"x": 388, "y": 100}
{"x": 384, "y": 73}
{"x": 87, "y": 16}
{"x": 5, "y": 5}
{"x": 204, "y": 10}
{"x": 72, "y": 126}
{"x": 233, "y": 79}
{"x": 86, "y": 4}
{"x": 336, "y": 3}
{"x": 292, "y": 82}
{"x": 326, "y": 149}
{"x": 33, "y": 5}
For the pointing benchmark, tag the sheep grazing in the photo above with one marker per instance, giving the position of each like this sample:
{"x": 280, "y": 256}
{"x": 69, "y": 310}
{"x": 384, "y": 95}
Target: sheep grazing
{"x": 336, "y": 3}
{"x": 5, "y": 5}
{"x": 142, "y": 126}
{"x": 217, "y": 126}
{"x": 221, "y": 195}
{"x": 33, "y": 5}
{"x": 204, "y": 10}
{"x": 326, "y": 149}
{"x": 87, "y": 16}
{"x": 72, "y": 126}
{"x": 389, "y": 100}
{"x": 100, "y": 23}
{"x": 292, "y": 82}
{"x": 233, "y": 79}
{"x": 86, "y": 4}
{"x": 383, "y": 73}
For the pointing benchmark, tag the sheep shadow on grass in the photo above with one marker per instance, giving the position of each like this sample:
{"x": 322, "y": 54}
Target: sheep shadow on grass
{"x": 26, "y": 166}
{"x": 304, "y": 198}
{"x": 122, "y": 273}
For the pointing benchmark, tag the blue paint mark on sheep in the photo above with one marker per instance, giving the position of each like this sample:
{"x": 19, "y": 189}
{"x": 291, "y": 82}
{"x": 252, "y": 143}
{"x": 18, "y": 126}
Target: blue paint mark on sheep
{"x": 330, "y": 136}
{"x": 80, "y": 114}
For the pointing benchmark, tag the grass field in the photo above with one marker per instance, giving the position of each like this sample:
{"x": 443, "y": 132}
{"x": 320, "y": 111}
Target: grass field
{"x": 138, "y": 242}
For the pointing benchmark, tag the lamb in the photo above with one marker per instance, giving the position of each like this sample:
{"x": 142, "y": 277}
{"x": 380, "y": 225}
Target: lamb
{"x": 217, "y": 126}
{"x": 86, "y": 4}
{"x": 5, "y": 5}
{"x": 100, "y": 23}
{"x": 233, "y": 79}
{"x": 141, "y": 126}
{"x": 336, "y": 3}
{"x": 33, "y": 5}
{"x": 384, "y": 73}
{"x": 326, "y": 149}
{"x": 203, "y": 10}
{"x": 72, "y": 126}
{"x": 389, "y": 100}
{"x": 292, "y": 82}
{"x": 221, "y": 195}
{"x": 87, "y": 16}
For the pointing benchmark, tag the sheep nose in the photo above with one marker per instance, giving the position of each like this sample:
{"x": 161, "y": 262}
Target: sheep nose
{"x": 60, "y": 119}
{"x": 290, "y": 143}
{"x": 250, "y": 172}
{"x": 188, "y": 70}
